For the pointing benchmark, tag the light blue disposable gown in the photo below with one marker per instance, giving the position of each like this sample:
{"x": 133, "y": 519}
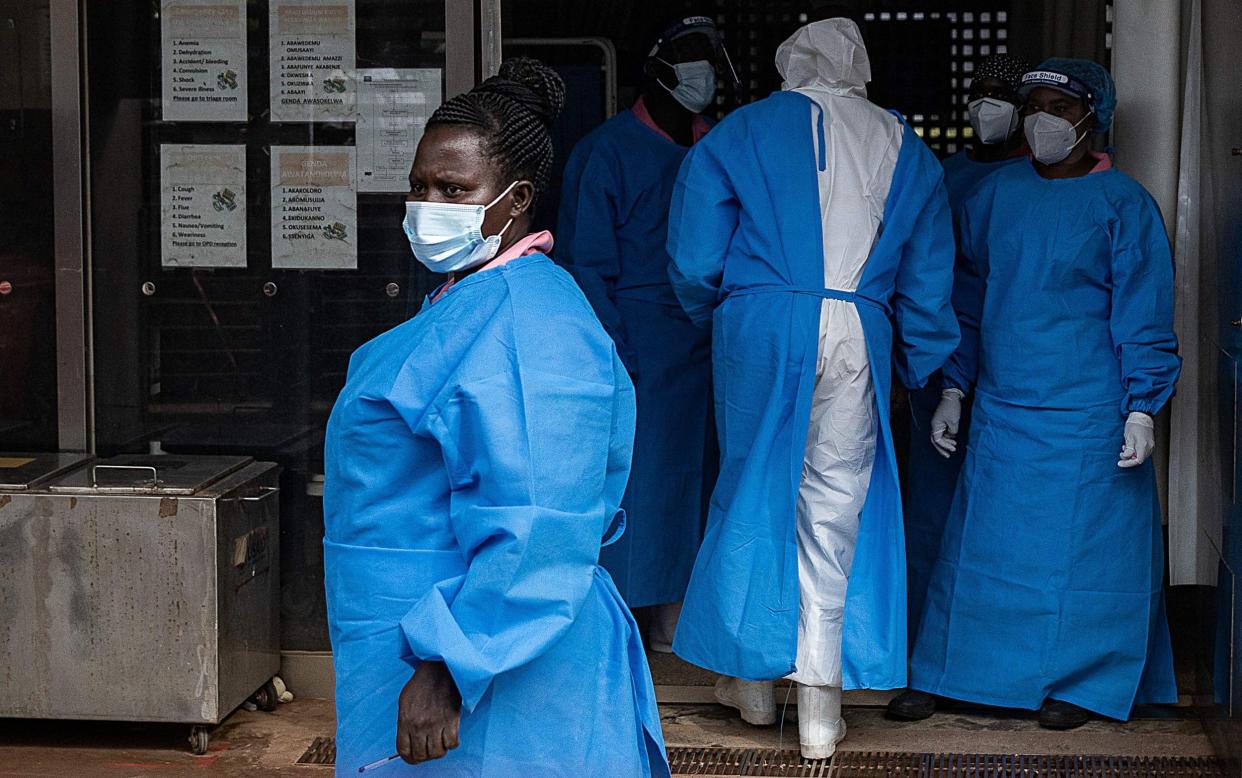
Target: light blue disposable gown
{"x": 745, "y": 234}
{"x": 475, "y": 463}
{"x": 1049, "y": 579}
{"x": 931, "y": 479}
{"x": 611, "y": 235}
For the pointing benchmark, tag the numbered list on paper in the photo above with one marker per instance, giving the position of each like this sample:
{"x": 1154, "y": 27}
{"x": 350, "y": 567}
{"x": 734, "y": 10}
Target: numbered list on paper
{"x": 203, "y": 205}
{"x": 203, "y": 49}
{"x": 312, "y": 56}
{"x": 314, "y": 208}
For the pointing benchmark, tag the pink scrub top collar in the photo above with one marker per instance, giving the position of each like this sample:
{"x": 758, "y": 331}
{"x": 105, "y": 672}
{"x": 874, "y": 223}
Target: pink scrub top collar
{"x": 535, "y": 243}
{"x": 698, "y": 126}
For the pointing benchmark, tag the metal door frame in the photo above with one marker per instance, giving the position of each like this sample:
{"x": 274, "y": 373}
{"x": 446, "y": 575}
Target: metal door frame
{"x": 74, "y": 385}
{"x": 608, "y": 51}
{"x": 490, "y": 38}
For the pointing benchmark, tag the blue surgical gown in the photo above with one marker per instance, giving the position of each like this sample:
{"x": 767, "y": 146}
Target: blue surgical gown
{"x": 746, "y": 237}
{"x": 476, "y": 460}
{"x": 1049, "y": 579}
{"x": 931, "y": 479}
{"x": 611, "y": 235}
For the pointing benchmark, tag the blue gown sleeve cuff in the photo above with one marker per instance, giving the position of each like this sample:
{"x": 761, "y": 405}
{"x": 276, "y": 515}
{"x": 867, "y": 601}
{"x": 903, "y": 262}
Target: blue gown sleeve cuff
{"x": 952, "y": 380}
{"x": 1149, "y": 407}
{"x": 434, "y": 635}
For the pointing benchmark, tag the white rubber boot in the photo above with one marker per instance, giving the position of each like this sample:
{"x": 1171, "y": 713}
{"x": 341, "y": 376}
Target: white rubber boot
{"x": 663, "y": 626}
{"x": 756, "y": 700}
{"x": 820, "y": 726}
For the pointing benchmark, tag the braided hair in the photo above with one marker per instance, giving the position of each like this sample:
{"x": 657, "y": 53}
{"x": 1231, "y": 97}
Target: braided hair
{"x": 513, "y": 112}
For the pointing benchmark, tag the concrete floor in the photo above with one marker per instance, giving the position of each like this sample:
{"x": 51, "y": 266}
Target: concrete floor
{"x": 970, "y": 732}
{"x": 246, "y": 744}
{"x": 690, "y": 719}
{"x": 269, "y": 744}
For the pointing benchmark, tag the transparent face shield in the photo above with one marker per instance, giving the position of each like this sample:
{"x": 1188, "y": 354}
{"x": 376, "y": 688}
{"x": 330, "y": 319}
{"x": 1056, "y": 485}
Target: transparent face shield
{"x": 735, "y": 83}
{"x": 722, "y": 60}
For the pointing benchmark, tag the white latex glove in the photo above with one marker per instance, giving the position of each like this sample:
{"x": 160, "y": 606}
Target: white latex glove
{"x": 1140, "y": 440}
{"x": 946, "y": 421}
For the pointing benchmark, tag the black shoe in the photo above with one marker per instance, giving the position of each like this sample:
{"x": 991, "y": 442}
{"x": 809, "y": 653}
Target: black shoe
{"x": 1059, "y": 715}
{"x": 911, "y": 706}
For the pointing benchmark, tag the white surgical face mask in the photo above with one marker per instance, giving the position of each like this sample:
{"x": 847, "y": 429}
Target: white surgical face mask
{"x": 1051, "y": 138}
{"x": 993, "y": 120}
{"x": 447, "y": 237}
{"x": 696, "y": 84}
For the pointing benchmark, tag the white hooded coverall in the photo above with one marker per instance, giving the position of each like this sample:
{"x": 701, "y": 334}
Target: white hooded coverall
{"x": 827, "y": 62}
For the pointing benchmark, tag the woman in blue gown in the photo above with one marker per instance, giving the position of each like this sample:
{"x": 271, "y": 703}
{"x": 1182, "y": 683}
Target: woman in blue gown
{"x": 1047, "y": 592}
{"x": 476, "y": 460}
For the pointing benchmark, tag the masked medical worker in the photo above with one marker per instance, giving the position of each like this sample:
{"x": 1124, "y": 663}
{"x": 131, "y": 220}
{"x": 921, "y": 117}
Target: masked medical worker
{"x": 1047, "y": 593}
{"x": 612, "y": 230}
{"x": 775, "y": 233}
{"x": 931, "y": 477}
{"x": 476, "y": 460}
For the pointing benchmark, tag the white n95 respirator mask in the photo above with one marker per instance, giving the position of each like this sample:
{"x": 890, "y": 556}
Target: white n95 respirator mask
{"x": 993, "y": 120}
{"x": 696, "y": 84}
{"x": 447, "y": 237}
{"x": 1051, "y": 138}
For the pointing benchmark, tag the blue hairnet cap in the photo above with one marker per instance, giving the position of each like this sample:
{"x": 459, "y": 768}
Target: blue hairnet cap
{"x": 1079, "y": 78}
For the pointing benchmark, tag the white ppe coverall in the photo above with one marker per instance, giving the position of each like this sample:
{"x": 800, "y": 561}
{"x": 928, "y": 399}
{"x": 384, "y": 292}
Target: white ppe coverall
{"x": 860, "y": 143}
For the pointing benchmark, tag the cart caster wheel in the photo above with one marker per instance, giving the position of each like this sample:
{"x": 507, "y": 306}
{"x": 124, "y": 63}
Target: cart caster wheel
{"x": 266, "y": 698}
{"x": 199, "y": 738}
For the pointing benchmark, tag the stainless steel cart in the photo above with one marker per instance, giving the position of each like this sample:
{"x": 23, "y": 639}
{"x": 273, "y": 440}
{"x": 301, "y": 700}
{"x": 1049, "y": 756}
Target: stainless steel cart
{"x": 139, "y": 588}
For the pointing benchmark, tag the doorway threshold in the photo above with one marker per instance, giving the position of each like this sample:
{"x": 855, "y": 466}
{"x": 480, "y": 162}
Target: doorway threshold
{"x": 692, "y": 719}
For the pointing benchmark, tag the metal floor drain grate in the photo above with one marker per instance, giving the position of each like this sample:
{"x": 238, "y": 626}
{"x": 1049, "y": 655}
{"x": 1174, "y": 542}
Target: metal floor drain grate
{"x": 860, "y": 764}
{"x": 847, "y": 764}
{"x": 321, "y": 752}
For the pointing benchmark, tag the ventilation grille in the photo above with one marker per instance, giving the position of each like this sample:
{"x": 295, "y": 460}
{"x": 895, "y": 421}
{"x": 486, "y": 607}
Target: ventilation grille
{"x": 968, "y": 36}
{"x": 760, "y": 762}
{"x": 923, "y": 55}
{"x": 729, "y": 762}
{"x": 321, "y": 752}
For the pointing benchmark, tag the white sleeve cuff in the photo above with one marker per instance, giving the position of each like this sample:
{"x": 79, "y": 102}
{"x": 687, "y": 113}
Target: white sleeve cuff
{"x": 954, "y": 392}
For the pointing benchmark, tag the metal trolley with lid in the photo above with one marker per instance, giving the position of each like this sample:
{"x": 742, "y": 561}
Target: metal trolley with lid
{"x": 138, "y": 588}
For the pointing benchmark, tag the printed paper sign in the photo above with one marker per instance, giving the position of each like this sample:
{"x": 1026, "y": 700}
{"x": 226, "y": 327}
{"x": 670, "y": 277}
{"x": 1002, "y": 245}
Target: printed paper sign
{"x": 314, "y": 208}
{"x": 312, "y": 55}
{"x": 203, "y": 45}
{"x": 393, "y": 108}
{"x": 203, "y": 205}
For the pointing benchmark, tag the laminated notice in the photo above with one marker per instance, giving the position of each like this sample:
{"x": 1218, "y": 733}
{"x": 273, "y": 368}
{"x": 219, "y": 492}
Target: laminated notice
{"x": 202, "y": 205}
{"x": 314, "y": 208}
{"x": 312, "y": 57}
{"x": 203, "y": 60}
